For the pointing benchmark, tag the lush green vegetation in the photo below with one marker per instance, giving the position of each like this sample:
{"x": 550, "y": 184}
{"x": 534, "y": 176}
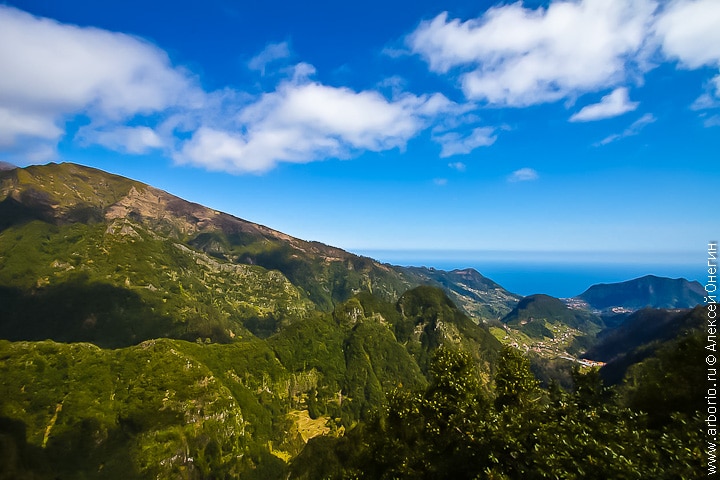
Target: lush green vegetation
{"x": 118, "y": 285}
{"x": 159, "y": 409}
{"x": 198, "y": 409}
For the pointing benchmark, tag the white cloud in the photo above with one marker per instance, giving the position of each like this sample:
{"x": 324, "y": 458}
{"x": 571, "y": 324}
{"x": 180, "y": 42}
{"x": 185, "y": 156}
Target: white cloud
{"x": 633, "y": 129}
{"x": 393, "y": 52}
{"x": 459, "y": 166}
{"x": 135, "y": 140}
{"x": 611, "y": 105}
{"x": 523, "y": 175}
{"x": 520, "y": 56}
{"x": 306, "y": 121}
{"x": 18, "y": 123}
{"x": 271, "y": 53}
{"x": 713, "y": 121}
{"x": 52, "y": 71}
{"x": 706, "y": 101}
{"x": 63, "y": 67}
{"x": 690, "y": 32}
{"x": 455, "y": 143}
{"x": 440, "y": 182}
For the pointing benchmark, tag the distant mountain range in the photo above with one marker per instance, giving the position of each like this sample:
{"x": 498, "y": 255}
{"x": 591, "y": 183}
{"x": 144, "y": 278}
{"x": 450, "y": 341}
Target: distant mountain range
{"x": 80, "y": 249}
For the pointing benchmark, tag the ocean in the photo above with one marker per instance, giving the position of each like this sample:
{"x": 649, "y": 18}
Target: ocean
{"x": 558, "y": 274}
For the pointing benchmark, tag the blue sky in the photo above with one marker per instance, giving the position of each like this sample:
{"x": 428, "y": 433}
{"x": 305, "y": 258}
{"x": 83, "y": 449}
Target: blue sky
{"x": 537, "y": 126}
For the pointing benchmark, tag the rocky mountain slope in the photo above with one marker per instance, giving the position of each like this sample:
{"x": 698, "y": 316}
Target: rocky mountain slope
{"x": 48, "y": 206}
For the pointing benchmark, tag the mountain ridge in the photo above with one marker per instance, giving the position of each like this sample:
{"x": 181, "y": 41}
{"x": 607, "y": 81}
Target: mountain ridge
{"x": 42, "y": 193}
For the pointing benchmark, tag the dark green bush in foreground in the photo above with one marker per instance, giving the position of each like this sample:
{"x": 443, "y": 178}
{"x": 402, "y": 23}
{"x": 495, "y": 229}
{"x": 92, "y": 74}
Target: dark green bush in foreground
{"x": 454, "y": 430}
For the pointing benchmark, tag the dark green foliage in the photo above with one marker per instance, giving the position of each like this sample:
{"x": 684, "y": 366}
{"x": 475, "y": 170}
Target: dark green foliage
{"x": 298, "y": 271}
{"x": 452, "y": 430}
{"x": 580, "y": 345}
{"x": 150, "y": 408}
{"x": 516, "y": 388}
{"x": 13, "y": 212}
{"x": 315, "y": 343}
{"x": 642, "y": 334}
{"x": 373, "y": 305}
{"x": 83, "y": 311}
{"x": 552, "y": 370}
{"x": 82, "y": 283}
{"x": 535, "y": 328}
{"x": 672, "y": 380}
{"x": 18, "y": 459}
{"x": 376, "y": 364}
{"x": 644, "y": 327}
{"x": 212, "y": 243}
{"x": 480, "y": 297}
{"x": 430, "y": 434}
{"x": 262, "y": 327}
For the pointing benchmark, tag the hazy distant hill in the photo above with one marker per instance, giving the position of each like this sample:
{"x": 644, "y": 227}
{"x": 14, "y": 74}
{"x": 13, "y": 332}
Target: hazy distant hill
{"x": 647, "y": 291}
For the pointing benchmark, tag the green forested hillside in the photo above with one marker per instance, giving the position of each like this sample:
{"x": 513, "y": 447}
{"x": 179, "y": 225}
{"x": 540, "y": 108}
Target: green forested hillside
{"x": 641, "y": 336}
{"x": 170, "y": 407}
{"x": 553, "y": 329}
{"x": 161, "y": 409}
